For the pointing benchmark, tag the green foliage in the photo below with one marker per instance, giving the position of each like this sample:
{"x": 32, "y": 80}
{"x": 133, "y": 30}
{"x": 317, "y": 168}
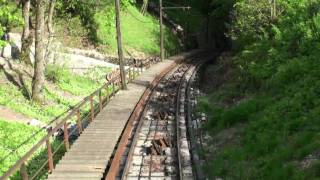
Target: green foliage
{"x": 54, "y": 73}
{"x": 139, "y": 32}
{"x": 12, "y": 135}
{"x": 12, "y": 97}
{"x": 71, "y": 82}
{"x": 58, "y": 102}
{"x": 252, "y": 20}
{"x": 8, "y": 18}
{"x": 273, "y": 94}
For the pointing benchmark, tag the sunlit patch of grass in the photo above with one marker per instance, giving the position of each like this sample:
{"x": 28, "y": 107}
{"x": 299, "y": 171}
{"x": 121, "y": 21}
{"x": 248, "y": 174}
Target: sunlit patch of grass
{"x": 12, "y": 135}
{"x": 140, "y": 32}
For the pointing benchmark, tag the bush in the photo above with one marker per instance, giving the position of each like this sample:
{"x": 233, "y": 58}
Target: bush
{"x": 278, "y": 68}
{"x": 238, "y": 114}
{"x": 54, "y": 73}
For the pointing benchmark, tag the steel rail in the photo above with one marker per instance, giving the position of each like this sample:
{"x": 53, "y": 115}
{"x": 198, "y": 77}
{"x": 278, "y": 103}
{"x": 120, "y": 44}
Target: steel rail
{"x": 135, "y": 137}
{"x": 111, "y": 173}
{"x": 178, "y": 97}
{"x": 197, "y": 168}
{"x": 114, "y": 168}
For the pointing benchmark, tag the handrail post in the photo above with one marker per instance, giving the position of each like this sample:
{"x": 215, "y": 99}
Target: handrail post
{"x": 100, "y": 101}
{"x": 49, "y": 149}
{"x": 92, "y": 109}
{"x": 66, "y": 136}
{"x": 23, "y": 172}
{"x": 113, "y": 88}
{"x": 79, "y": 124}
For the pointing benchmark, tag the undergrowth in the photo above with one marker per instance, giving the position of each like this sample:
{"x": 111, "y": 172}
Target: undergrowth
{"x": 269, "y": 85}
{"x": 76, "y": 84}
{"x": 281, "y": 125}
{"x": 12, "y": 135}
{"x": 59, "y": 98}
{"x": 140, "y": 33}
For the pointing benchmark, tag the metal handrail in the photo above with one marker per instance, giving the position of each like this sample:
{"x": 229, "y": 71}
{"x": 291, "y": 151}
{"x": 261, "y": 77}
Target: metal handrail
{"x": 131, "y": 71}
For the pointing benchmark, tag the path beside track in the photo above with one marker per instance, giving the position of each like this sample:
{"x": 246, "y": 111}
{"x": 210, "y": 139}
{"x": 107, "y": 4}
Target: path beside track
{"x": 89, "y": 155}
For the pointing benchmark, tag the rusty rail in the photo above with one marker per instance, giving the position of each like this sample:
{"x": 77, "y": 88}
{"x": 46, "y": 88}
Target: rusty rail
{"x": 114, "y": 167}
{"x": 113, "y": 84}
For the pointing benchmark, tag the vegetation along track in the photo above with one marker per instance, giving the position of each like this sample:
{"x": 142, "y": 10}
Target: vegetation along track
{"x": 159, "y": 148}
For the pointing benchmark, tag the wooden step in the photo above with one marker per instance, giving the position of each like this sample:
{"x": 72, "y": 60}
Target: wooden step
{"x": 71, "y": 174}
{"x": 80, "y": 167}
{"x": 82, "y": 157}
{"x": 72, "y": 178}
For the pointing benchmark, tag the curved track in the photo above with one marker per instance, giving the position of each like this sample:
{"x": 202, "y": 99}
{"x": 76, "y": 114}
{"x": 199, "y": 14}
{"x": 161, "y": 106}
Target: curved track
{"x": 159, "y": 147}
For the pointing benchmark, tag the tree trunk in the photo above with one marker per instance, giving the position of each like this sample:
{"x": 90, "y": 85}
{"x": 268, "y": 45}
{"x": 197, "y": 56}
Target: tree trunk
{"x": 275, "y": 9}
{"x": 50, "y": 16}
{"x": 26, "y": 38}
{"x": 39, "y": 67}
{"x": 50, "y": 27}
{"x": 144, "y": 6}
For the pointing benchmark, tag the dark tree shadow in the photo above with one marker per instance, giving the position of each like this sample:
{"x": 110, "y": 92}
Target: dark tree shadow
{"x": 16, "y": 77}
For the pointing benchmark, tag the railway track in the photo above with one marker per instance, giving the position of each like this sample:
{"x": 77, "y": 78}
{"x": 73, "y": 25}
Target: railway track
{"x": 159, "y": 145}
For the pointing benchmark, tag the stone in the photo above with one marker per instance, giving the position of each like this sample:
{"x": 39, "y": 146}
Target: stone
{"x": 6, "y": 51}
{"x": 36, "y": 123}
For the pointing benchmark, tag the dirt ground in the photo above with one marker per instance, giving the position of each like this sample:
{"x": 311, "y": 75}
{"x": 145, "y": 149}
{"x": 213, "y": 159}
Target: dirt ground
{"x": 10, "y": 115}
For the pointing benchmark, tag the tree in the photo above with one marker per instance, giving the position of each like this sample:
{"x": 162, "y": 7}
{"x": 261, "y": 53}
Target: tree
{"x": 50, "y": 16}
{"x": 39, "y": 67}
{"x": 50, "y": 26}
{"x": 26, "y": 38}
{"x": 144, "y": 7}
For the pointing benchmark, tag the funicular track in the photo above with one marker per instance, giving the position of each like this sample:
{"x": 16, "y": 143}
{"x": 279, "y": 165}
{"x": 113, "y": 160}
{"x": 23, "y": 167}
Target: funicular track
{"x": 158, "y": 146}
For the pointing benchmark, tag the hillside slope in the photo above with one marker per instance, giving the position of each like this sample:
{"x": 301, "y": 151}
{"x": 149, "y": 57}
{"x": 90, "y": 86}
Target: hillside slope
{"x": 64, "y": 88}
{"x": 140, "y": 33}
{"x": 263, "y": 95}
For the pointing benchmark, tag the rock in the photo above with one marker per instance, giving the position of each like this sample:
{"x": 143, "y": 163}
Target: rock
{"x": 36, "y": 123}
{"x": 6, "y": 51}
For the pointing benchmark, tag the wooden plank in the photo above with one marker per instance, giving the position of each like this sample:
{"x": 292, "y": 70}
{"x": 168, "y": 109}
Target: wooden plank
{"x": 69, "y": 174}
{"x": 90, "y": 154}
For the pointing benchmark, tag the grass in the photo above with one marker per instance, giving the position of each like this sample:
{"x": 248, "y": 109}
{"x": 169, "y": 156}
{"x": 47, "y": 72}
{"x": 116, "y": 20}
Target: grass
{"x": 139, "y": 32}
{"x": 12, "y": 97}
{"x": 70, "y": 32}
{"x": 11, "y": 136}
{"x": 56, "y": 102}
{"x": 77, "y": 84}
{"x": 280, "y": 123}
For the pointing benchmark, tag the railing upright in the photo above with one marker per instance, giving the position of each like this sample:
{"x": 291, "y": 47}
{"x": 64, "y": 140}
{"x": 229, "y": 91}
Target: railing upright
{"x": 23, "y": 172}
{"x": 92, "y": 109}
{"x": 79, "y": 124}
{"x": 66, "y": 136}
{"x": 49, "y": 151}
